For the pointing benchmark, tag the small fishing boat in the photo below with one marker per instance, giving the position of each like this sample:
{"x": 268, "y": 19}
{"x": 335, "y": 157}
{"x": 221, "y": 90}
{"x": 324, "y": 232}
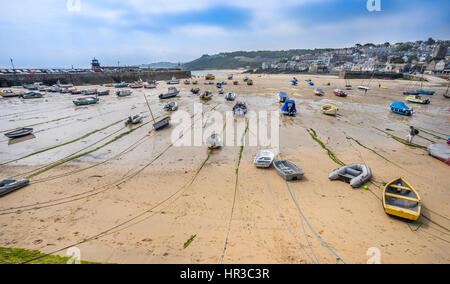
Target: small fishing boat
{"x": 195, "y": 83}
{"x": 250, "y": 82}
{"x": 240, "y": 109}
{"x": 230, "y": 77}
{"x": 103, "y": 93}
{"x": 9, "y": 94}
{"x": 187, "y": 82}
{"x": 85, "y": 101}
{"x": 364, "y": 88}
{"x": 214, "y": 141}
{"x": 221, "y": 91}
{"x": 319, "y": 92}
{"x": 401, "y": 108}
{"x": 230, "y": 96}
{"x": 235, "y": 83}
{"x": 224, "y": 83}
{"x": 402, "y": 200}
{"x": 136, "y": 85}
{"x": 10, "y": 185}
{"x": 65, "y": 91}
{"x": 90, "y": 92}
{"x": 32, "y": 95}
{"x": 54, "y": 90}
{"x": 263, "y": 159}
{"x": 354, "y": 174}
{"x": 206, "y": 96}
{"x": 282, "y": 97}
{"x": 171, "y": 93}
{"x": 162, "y": 123}
{"x": 19, "y": 133}
{"x": 245, "y": 79}
{"x": 171, "y": 106}
{"x": 135, "y": 119}
{"x": 195, "y": 91}
{"x": 210, "y": 77}
{"x": 31, "y": 87}
{"x": 219, "y": 85}
{"x": 124, "y": 93}
{"x": 109, "y": 85}
{"x": 417, "y": 99}
{"x": 424, "y": 92}
{"x": 339, "y": 93}
{"x": 311, "y": 83}
{"x": 121, "y": 85}
{"x": 410, "y": 93}
{"x": 289, "y": 108}
{"x": 75, "y": 92}
{"x": 173, "y": 81}
{"x": 440, "y": 151}
{"x": 288, "y": 170}
{"x": 329, "y": 110}
{"x": 294, "y": 82}
{"x": 150, "y": 84}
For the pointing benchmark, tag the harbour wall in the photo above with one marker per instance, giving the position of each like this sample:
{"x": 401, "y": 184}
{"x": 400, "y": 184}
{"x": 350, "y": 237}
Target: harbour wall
{"x": 368, "y": 75}
{"x": 78, "y": 79}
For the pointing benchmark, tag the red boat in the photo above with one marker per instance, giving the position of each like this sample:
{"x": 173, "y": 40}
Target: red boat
{"x": 339, "y": 93}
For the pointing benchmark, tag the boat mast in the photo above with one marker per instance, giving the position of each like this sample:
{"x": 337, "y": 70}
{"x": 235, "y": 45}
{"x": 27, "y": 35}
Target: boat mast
{"x": 151, "y": 113}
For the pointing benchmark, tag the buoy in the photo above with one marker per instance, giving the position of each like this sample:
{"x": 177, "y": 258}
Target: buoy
{"x": 150, "y": 132}
{"x": 366, "y": 187}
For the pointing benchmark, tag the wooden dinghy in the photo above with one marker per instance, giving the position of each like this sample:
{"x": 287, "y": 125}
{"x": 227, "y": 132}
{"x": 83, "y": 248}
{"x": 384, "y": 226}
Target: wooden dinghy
{"x": 401, "y": 199}
{"x": 288, "y": 170}
{"x": 10, "y": 185}
{"x": 264, "y": 159}
{"x": 19, "y": 133}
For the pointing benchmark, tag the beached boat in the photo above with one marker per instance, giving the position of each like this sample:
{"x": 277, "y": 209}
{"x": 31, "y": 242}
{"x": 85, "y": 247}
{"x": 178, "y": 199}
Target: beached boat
{"x": 187, "y": 82}
{"x": 31, "y": 87}
{"x": 401, "y": 108}
{"x": 410, "y": 93}
{"x": 162, "y": 123}
{"x": 109, "y": 85}
{"x": 121, "y": 85}
{"x": 90, "y": 92}
{"x": 214, "y": 141}
{"x": 282, "y": 97}
{"x": 171, "y": 106}
{"x": 447, "y": 96}
{"x": 240, "y": 109}
{"x": 440, "y": 151}
{"x": 195, "y": 83}
{"x": 311, "y": 83}
{"x": 54, "y": 90}
{"x": 339, "y": 93}
{"x": 9, "y": 94}
{"x": 418, "y": 100}
{"x": 19, "y": 133}
{"x": 402, "y": 200}
{"x": 288, "y": 170}
{"x": 250, "y": 82}
{"x": 136, "y": 85}
{"x": 135, "y": 119}
{"x": 85, "y": 101}
{"x": 294, "y": 82}
{"x": 206, "y": 96}
{"x": 230, "y": 77}
{"x": 230, "y": 96}
{"x": 424, "y": 92}
{"x": 103, "y": 93}
{"x": 172, "y": 92}
{"x": 263, "y": 159}
{"x": 124, "y": 93}
{"x": 210, "y": 77}
{"x": 289, "y": 108}
{"x": 10, "y": 185}
{"x": 151, "y": 84}
{"x": 219, "y": 85}
{"x": 319, "y": 92}
{"x": 195, "y": 91}
{"x": 32, "y": 95}
{"x": 173, "y": 81}
{"x": 221, "y": 91}
{"x": 363, "y": 88}
{"x": 65, "y": 91}
{"x": 75, "y": 92}
{"x": 235, "y": 83}
{"x": 245, "y": 79}
{"x": 354, "y": 174}
{"x": 329, "y": 110}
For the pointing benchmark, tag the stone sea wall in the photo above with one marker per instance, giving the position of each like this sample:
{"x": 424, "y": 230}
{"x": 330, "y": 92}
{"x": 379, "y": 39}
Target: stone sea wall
{"x": 77, "y": 79}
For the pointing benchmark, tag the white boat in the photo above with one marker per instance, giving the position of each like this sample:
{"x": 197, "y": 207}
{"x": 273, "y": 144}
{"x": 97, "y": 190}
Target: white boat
{"x": 319, "y": 92}
{"x": 264, "y": 159}
{"x": 171, "y": 106}
{"x": 365, "y": 88}
{"x": 230, "y": 96}
{"x": 134, "y": 119}
{"x": 240, "y": 109}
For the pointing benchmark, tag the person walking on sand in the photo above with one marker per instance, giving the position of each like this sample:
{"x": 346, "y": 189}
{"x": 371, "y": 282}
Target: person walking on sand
{"x": 412, "y": 132}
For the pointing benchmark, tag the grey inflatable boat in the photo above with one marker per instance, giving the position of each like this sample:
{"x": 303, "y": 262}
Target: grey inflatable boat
{"x": 354, "y": 174}
{"x": 10, "y": 185}
{"x": 288, "y": 170}
{"x": 441, "y": 152}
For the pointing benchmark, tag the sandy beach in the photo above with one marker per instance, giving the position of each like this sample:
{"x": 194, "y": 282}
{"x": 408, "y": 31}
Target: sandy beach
{"x": 136, "y": 198}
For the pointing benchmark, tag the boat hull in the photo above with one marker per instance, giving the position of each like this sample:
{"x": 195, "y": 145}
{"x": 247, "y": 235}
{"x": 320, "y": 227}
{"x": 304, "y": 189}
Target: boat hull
{"x": 401, "y": 200}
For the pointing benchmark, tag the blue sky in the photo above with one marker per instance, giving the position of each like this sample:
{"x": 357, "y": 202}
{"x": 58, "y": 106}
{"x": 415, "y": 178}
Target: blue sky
{"x": 47, "y": 33}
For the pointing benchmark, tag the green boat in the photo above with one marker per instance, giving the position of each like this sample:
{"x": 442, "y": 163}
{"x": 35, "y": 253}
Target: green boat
{"x": 85, "y": 101}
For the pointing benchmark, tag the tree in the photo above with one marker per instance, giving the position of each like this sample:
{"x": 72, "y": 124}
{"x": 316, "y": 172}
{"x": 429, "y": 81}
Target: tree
{"x": 397, "y": 60}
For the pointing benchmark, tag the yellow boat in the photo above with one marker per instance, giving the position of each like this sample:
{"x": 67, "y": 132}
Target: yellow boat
{"x": 417, "y": 99}
{"x": 109, "y": 85}
{"x": 210, "y": 77}
{"x": 402, "y": 200}
{"x": 329, "y": 110}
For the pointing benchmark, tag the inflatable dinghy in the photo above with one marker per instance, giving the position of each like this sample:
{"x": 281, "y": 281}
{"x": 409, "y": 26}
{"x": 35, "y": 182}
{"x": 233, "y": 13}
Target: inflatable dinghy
{"x": 441, "y": 152}
{"x": 354, "y": 174}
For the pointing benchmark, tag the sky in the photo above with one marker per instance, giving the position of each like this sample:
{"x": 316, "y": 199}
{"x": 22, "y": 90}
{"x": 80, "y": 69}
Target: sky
{"x": 62, "y": 33}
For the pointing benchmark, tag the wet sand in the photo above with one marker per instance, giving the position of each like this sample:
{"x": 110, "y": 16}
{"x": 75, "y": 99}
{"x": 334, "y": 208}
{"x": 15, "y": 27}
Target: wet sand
{"x": 149, "y": 197}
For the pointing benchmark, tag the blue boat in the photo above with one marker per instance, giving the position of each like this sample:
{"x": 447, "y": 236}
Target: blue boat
{"x": 289, "y": 108}
{"x": 294, "y": 82}
{"x": 311, "y": 83}
{"x": 401, "y": 108}
{"x": 282, "y": 97}
{"x": 85, "y": 101}
{"x": 423, "y": 92}
{"x": 410, "y": 93}
{"x": 121, "y": 85}
{"x": 219, "y": 85}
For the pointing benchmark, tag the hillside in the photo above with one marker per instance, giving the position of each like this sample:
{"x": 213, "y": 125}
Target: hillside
{"x": 242, "y": 59}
